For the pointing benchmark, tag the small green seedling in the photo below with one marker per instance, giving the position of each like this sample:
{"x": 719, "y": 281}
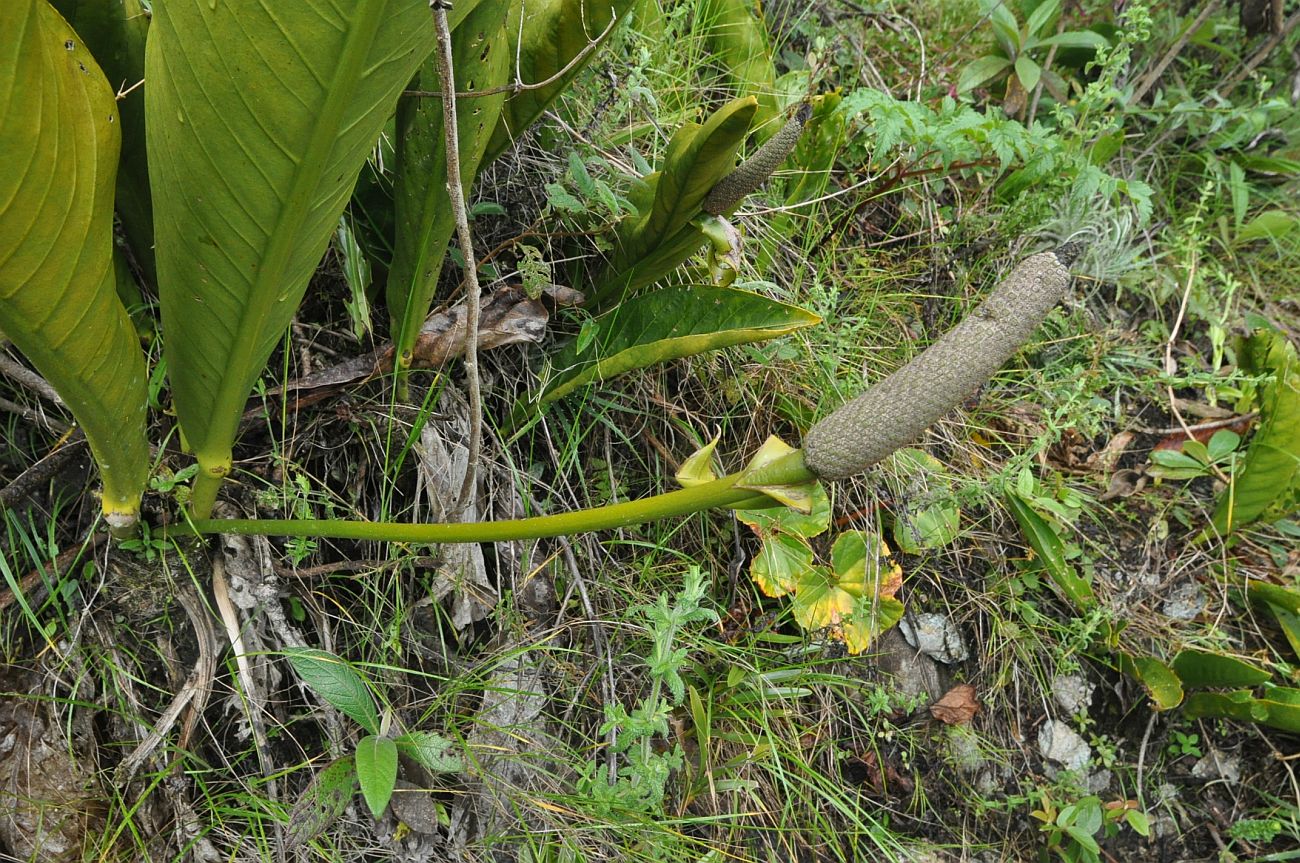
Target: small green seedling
{"x": 1196, "y": 459}
{"x": 373, "y": 763}
{"x": 1017, "y": 49}
{"x": 1071, "y": 831}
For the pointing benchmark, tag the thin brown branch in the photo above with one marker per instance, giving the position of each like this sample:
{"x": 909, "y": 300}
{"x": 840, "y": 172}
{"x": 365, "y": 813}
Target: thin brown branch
{"x": 456, "y": 192}
{"x": 19, "y": 373}
{"x": 1261, "y": 55}
{"x": 518, "y": 86}
{"x": 1151, "y": 78}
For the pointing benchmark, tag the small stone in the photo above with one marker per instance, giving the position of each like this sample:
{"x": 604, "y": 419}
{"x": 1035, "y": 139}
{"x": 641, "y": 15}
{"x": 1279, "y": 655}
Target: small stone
{"x": 936, "y": 636}
{"x": 964, "y": 751}
{"x": 1060, "y": 743}
{"x": 1218, "y": 765}
{"x": 1184, "y": 602}
{"x": 1073, "y": 692}
{"x": 1098, "y": 781}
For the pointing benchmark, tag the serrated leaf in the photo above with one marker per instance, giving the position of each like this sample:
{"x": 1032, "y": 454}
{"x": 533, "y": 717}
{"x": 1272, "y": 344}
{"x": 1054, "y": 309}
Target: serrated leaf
{"x": 433, "y": 752}
{"x": 767, "y": 522}
{"x": 335, "y": 681}
{"x": 698, "y": 467}
{"x": 321, "y": 802}
{"x": 1267, "y": 486}
{"x": 1049, "y": 548}
{"x": 548, "y": 43}
{"x": 655, "y": 240}
{"x": 670, "y": 324}
{"x": 782, "y": 559}
{"x": 1197, "y": 668}
{"x": 376, "y": 772}
{"x": 422, "y": 203}
{"x": 1158, "y": 679}
{"x": 59, "y": 133}
{"x": 260, "y": 118}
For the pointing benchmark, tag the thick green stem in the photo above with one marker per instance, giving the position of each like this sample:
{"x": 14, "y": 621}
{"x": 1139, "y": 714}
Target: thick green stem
{"x": 207, "y": 482}
{"x": 719, "y": 493}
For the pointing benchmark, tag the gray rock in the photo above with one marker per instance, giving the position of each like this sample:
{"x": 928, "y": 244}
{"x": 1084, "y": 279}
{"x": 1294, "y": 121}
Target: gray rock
{"x": 1218, "y": 765}
{"x": 1184, "y": 602}
{"x": 1060, "y": 743}
{"x": 1098, "y": 781}
{"x": 936, "y": 636}
{"x": 963, "y": 750}
{"x": 1073, "y": 692}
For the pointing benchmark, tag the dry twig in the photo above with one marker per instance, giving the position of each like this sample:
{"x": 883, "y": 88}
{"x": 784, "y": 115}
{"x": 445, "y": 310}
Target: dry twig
{"x": 456, "y": 192}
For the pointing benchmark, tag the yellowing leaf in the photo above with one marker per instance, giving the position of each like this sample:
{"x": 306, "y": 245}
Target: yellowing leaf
{"x": 698, "y": 468}
{"x": 819, "y": 601}
{"x": 799, "y": 497}
{"x": 767, "y": 522}
{"x": 867, "y": 622}
{"x": 855, "y": 597}
{"x": 864, "y": 566}
{"x": 780, "y": 562}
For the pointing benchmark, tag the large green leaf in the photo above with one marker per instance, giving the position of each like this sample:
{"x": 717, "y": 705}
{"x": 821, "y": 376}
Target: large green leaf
{"x": 1196, "y": 668}
{"x": 115, "y": 32}
{"x": 1268, "y": 485}
{"x": 552, "y": 36}
{"x": 739, "y": 41}
{"x": 422, "y": 203}
{"x": 652, "y": 242}
{"x": 59, "y": 133}
{"x": 1050, "y": 549}
{"x": 1158, "y": 679}
{"x": 669, "y": 324}
{"x": 322, "y": 801}
{"x": 377, "y": 771}
{"x": 1278, "y": 708}
{"x": 260, "y": 118}
{"x": 335, "y": 681}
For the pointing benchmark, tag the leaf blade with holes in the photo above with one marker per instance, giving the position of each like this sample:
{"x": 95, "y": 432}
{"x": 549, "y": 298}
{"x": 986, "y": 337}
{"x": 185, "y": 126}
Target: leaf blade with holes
{"x": 431, "y": 751}
{"x": 248, "y": 181}
{"x": 1268, "y": 484}
{"x": 58, "y": 300}
{"x": 335, "y": 681}
{"x": 321, "y": 802}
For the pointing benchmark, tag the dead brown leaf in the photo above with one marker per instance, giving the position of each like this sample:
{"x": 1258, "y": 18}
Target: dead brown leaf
{"x": 958, "y": 705}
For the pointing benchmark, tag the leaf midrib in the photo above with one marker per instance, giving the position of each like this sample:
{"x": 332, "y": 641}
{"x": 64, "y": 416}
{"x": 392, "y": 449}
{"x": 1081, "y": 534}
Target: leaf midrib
{"x": 263, "y": 291}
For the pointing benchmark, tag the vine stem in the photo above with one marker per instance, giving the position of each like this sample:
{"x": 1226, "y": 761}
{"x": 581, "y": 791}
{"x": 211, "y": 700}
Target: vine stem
{"x": 456, "y": 193}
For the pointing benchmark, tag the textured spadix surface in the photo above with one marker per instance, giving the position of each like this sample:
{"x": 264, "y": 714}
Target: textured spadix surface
{"x": 897, "y": 410}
